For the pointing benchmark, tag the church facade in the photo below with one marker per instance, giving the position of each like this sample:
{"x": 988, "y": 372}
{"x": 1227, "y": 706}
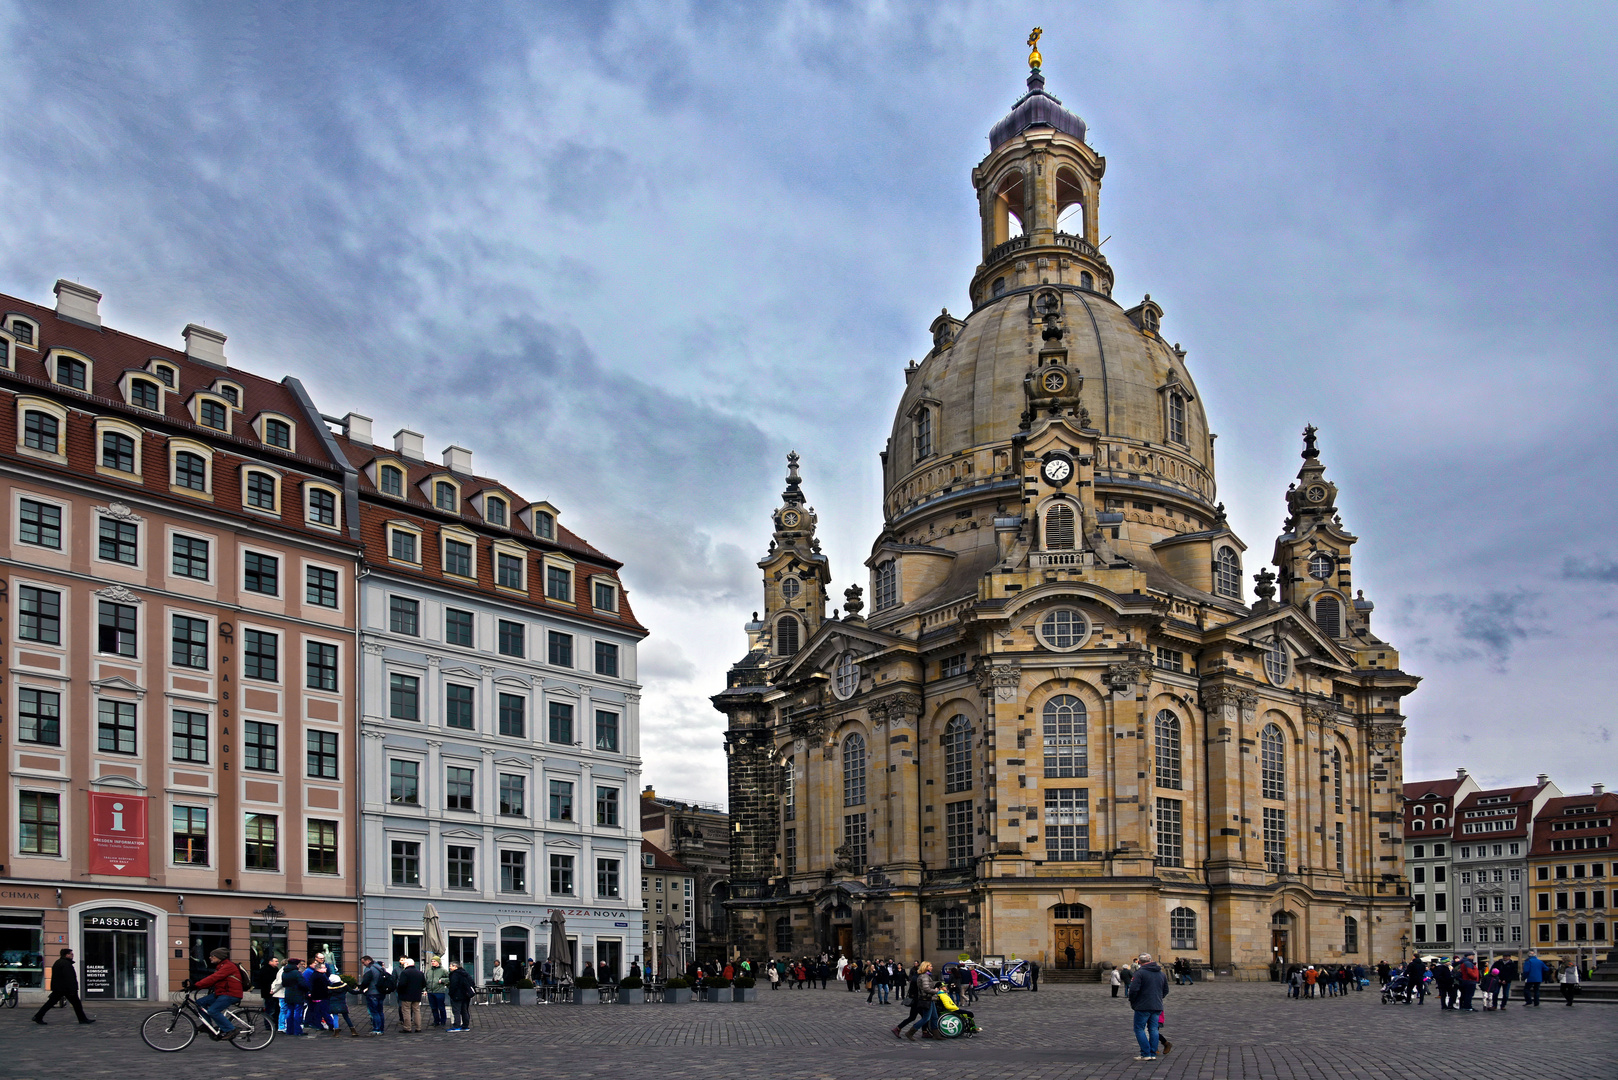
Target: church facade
{"x": 1063, "y": 731}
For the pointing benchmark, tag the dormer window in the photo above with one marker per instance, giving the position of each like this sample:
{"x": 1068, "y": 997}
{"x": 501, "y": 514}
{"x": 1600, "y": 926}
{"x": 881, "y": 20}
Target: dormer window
{"x": 322, "y": 507}
{"x": 190, "y": 471}
{"x": 144, "y": 394}
{"x": 403, "y": 545}
{"x": 1177, "y": 418}
{"x": 390, "y": 478}
{"x": 1228, "y": 574}
{"x": 261, "y": 491}
{"x": 885, "y": 587}
{"x": 24, "y": 331}
{"x": 544, "y": 526}
{"x": 277, "y": 433}
{"x": 166, "y": 374}
{"x": 606, "y": 596}
{"x": 444, "y": 495}
{"x": 494, "y": 510}
{"x": 71, "y": 373}
{"x": 230, "y": 393}
{"x": 213, "y": 414}
{"x": 924, "y": 433}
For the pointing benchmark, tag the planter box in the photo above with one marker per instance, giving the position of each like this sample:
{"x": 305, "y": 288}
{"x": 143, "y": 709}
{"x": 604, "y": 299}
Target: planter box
{"x": 719, "y": 994}
{"x": 519, "y": 996}
{"x": 676, "y": 995}
{"x": 586, "y": 997}
{"x": 745, "y": 993}
{"x": 631, "y": 997}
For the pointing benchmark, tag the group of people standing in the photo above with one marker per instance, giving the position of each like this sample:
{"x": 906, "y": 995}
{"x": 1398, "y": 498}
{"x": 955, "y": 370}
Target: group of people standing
{"x": 1456, "y": 983}
{"x": 1323, "y": 980}
{"x": 311, "y": 999}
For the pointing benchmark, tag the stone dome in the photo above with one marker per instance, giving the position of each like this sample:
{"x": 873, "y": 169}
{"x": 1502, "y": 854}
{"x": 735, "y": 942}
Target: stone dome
{"x": 972, "y": 385}
{"x": 1035, "y": 109}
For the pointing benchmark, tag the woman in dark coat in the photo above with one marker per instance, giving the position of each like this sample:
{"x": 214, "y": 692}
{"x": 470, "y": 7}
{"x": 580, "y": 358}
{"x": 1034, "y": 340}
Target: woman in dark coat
{"x": 460, "y": 987}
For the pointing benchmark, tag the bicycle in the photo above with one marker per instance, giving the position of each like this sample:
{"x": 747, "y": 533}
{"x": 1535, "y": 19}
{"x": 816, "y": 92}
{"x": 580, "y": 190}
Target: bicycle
{"x": 173, "y": 1029}
{"x": 9, "y": 996}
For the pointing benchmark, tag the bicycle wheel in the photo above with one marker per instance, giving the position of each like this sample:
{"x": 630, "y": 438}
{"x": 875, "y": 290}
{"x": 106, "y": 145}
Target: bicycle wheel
{"x": 168, "y": 1030}
{"x": 263, "y": 1031}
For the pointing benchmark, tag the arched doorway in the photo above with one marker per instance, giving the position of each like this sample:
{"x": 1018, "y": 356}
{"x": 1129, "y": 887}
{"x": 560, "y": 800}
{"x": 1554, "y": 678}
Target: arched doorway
{"x": 513, "y": 951}
{"x": 1280, "y": 942}
{"x": 1068, "y": 934}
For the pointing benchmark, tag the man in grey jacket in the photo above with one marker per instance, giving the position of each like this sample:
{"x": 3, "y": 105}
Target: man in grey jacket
{"x": 1146, "y": 992}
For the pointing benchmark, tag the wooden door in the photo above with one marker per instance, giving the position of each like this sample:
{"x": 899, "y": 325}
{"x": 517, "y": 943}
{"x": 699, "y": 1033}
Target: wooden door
{"x": 845, "y": 941}
{"x": 1069, "y": 936}
{"x": 1278, "y": 946}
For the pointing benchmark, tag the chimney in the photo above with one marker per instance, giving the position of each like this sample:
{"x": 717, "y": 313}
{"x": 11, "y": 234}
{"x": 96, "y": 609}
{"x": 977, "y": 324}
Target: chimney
{"x": 458, "y": 459}
{"x": 1543, "y": 778}
{"x": 408, "y": 444}
{"x": 78, "y": 303}
{"x": 357, "y": 428}
{"x": 205, "y": 345}
{"x": 1460, "y": 774}
{"x": 1598, "y": 790}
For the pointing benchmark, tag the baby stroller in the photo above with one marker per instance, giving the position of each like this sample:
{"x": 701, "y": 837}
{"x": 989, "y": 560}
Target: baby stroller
{"x": 954, "y": 1021}
{"x": 1397, "y": 989}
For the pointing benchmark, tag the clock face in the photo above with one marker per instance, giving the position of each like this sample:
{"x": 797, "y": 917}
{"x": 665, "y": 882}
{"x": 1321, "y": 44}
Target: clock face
{"x": 790, "y": 519}
{"x": 1057, "y": 470}
{"x": 1054, "y": 382}
{"x": 1316, "y": 493}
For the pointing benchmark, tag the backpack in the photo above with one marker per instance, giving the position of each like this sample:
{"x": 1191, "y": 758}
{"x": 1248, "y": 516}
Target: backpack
{"x": 386, "y": 983}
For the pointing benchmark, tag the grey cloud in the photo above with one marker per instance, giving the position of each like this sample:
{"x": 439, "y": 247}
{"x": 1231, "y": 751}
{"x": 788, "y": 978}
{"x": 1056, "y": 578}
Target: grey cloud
{"x": 1603, "y": 570}
{"x": 1486, "y": 626}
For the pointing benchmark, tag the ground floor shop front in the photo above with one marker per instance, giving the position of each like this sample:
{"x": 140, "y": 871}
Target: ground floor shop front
{"x": 138, "y": 945}
{"x": 482, "y": 936}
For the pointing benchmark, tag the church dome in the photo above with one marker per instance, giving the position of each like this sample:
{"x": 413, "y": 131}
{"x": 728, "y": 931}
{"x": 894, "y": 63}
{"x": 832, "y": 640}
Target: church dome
{"x": 965, "y": 403}
{"x": 1035, "y": 109}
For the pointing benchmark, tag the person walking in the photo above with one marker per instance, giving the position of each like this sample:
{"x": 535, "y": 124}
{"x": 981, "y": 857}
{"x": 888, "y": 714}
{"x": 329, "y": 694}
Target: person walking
{"x": 1147, "y": 989}
{"x": 375, "y": 983}
{"x": 412, "y": 985}
{"x": 1416, "y": 972}
{"x": 1469, "y": 981}
{"x": 1113, "y": 977}
{"x": 774, "y": 974}
{"x": 292, "y": 987}
{"x": 1033, "y": 975}
{"x": 459, "y": 987}
{"x": 64, "y": 987}
{"x": 1072, "y": 955}
{"x": 917, "y": 1007}
{"x": 1569, "y": 981}
{"x": 264, "y": 983}
{"x": 317, "y": 985}
{"x": 1508, "y": 975}
{"x": 436, "y": 978}
{"x": 1533, "y": 976}
{"x": 1444, "y": 980}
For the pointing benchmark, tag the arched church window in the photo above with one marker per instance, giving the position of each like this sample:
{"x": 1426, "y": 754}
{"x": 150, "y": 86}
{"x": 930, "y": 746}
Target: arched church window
{"x": 1337, "y": 780}
{"x": 1329, "y": 616}
{"x": 1008, "y": 204}
{"x": 1272, "y": 762}
{"x": 1277, "y": 664}
{"x": 885, "y": 589}
{"x": 789, "y": 789}
{"x": 1066, "y": 742}
{"x": 1087, "y": 281}
{"x": 999, "y": 286}
{"x": 783, "y": 935}
{"x": 1168, "y": 749}
{"x": 1182, "y": 928}
{"x": 1069, "y": 203}
{"x": 786, "y": 636}
{"x": 846, "y": 678}
{"x": 1059, "y": 528}
{"x": 854, "y": 770}
{"x": 958, "y": 755}
{"x": 1177, "y": 418}
{"x": 1228, "y": 573}
{"x": 1351, "y": 934}
{"x": 924, "y": 433}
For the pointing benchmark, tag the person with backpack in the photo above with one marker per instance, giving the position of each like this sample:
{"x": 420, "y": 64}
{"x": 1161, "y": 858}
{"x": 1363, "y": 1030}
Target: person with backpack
{"x": 460, "y": 988}
{"x": 225, "y": 988}
{"x": 376, "y": 983}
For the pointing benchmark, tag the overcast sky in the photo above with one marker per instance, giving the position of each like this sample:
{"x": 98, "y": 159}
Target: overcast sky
{"x": 633, "y": 253}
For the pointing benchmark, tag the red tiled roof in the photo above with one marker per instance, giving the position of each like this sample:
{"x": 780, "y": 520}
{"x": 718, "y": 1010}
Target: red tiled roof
{"x": 665, "y": 862}
{"x": 1604, "y": 807}
{"x": 1425, "y": 793}
{"x": 1519, "y": 799}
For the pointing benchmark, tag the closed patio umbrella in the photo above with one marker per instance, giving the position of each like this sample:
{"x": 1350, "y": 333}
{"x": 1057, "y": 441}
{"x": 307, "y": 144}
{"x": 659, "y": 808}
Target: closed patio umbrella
{"x": 672, "y": 961}
{"x": 561, "y": 956}
{"x": 433, "y": 942}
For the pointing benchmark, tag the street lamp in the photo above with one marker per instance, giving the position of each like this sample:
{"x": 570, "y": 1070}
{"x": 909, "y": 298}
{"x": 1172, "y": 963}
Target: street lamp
{"x": 271, "y": 915}
{"x": 1404, "y": 947}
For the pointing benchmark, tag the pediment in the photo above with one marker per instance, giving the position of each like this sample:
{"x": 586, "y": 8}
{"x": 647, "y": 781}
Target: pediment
{"x": 118, "y": 684}
{"x": 461, "y": 834}
{"x": 513, "y": 838}
{"x": 117, "y": 781}
{"x": 470, "y": 673}
{"x": 516, "y": 763}
{"x": 836, "y": 636}
{"x": 513, "y": 682}
{"x": 1288, "y": 620}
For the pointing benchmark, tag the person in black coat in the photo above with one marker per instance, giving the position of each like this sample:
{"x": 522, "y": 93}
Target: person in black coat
{"x": 412, "y": 985}
{"x": 263, "y": 979}
{"x": 1033, "y": 975}
{"x": 64, "y": 987}
{"x": 460, "y": 988}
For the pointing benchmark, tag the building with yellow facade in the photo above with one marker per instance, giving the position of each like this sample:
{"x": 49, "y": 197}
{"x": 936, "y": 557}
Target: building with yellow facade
{"x": 1063, "y": 731}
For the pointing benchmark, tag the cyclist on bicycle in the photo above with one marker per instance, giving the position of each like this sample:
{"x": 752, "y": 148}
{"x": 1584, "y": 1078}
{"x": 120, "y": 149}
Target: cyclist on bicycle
{"x": 225, "y": 990}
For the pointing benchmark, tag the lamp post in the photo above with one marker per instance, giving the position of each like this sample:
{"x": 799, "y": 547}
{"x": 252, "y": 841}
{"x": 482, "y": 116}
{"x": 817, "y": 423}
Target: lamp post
{"x": 1404, "y": 947}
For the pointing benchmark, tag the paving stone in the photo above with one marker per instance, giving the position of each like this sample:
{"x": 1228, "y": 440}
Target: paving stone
{"x": 1220, "y": 1032}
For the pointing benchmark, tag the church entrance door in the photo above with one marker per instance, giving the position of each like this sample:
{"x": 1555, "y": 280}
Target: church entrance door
{"x": 1069, "y": 937}
{"x": 845, "y": 941}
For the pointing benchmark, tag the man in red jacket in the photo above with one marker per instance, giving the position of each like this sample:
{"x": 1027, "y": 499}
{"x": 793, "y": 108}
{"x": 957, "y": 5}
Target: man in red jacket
{"x": 225, "y": 990}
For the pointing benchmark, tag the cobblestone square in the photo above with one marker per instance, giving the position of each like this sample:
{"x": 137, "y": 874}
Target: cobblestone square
{"x": 1219, "y": 1031}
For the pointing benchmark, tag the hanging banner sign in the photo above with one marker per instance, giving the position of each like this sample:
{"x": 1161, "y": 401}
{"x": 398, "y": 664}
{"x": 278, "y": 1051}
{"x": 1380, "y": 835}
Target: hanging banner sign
{"x": 118, "y": 836}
